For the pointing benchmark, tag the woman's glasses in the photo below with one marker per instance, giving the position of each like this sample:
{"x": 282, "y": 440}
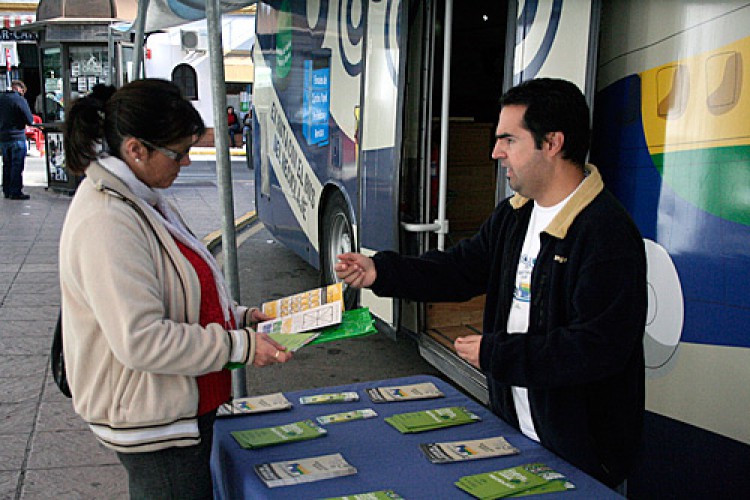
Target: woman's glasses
{"x": 172, "y": 155}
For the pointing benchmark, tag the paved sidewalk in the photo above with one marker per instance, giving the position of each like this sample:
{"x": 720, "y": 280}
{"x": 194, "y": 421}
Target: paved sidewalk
{"x": 47, "y": 451}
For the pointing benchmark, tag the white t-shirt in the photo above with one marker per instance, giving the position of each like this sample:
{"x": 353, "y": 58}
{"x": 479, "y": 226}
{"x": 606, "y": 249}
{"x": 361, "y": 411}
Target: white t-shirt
{"x": 518, "y": 319}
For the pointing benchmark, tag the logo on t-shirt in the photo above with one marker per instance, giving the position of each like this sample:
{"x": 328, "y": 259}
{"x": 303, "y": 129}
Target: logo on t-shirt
{"x": 522, "y": 291}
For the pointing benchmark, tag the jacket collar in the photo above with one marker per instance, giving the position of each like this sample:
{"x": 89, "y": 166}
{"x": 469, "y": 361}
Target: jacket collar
{"x": 104, "y": 180}
{"x": 590, "y": 188}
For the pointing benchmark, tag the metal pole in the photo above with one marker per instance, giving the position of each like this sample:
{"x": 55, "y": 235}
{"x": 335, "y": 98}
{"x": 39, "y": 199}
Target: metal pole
{"x": 110, "y": 55}
{"x": 223, "y": 167}
{"x": 140, "y": 28}
{"x": 444, "y": 122}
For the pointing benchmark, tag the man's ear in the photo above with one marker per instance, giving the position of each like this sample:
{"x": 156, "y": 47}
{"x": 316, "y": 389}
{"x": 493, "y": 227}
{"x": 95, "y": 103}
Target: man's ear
{"x": 553, "y": 143}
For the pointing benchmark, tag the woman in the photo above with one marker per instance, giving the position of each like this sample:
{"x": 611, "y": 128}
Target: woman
{"x": 233, "y": 121}
{"x": 149, "y": 323}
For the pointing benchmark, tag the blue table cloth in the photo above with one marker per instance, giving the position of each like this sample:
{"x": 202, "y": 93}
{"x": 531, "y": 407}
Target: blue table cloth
{"x": 384, "y": 458}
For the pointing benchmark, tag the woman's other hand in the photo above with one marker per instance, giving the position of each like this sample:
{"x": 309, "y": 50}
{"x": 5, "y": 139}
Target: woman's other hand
{"x": 268, "y": 351}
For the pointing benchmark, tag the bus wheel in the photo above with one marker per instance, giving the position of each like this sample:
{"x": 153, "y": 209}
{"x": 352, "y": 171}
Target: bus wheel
{"x": 337, "y": 237}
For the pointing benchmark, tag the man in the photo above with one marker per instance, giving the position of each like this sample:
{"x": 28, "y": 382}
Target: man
{"x": 15, "y": 114}
{"x": 564, "y": 270}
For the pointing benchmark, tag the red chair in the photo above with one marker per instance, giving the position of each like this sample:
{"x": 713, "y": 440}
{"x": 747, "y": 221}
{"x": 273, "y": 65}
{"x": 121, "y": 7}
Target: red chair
{"x": 36, "y": 134}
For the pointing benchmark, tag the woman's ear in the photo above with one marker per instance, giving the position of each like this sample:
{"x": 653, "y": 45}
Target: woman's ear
{"x": 133, "y": 150}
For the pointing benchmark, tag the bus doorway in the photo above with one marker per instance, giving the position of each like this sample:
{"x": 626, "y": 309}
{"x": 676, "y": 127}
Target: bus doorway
{"x": 477, "y": 58}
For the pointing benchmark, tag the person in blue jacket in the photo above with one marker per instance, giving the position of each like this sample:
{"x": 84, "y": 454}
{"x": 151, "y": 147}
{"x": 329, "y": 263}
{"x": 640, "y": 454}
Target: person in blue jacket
{"x": 15, "y": 114}
{"x": 564, "y": 269}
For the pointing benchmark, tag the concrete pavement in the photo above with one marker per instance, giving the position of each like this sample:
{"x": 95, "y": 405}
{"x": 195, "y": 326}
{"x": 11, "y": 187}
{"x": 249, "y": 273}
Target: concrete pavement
{"x": 47, "y": 451}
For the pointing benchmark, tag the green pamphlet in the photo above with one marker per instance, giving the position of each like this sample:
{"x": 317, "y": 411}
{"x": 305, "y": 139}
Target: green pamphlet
{"x": 280, "y": 434}
{"x": 499, "y": 484}
{"x": 293, "y": 341}
{"x": 427, "y": 420}
{"x": 556, "y": 482}
{"x": 523, "y": 480}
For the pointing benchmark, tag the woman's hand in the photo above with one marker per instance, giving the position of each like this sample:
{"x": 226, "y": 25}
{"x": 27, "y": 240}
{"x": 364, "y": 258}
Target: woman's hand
{"x": 253, "y": 316}
{"x": 268, "y": 351}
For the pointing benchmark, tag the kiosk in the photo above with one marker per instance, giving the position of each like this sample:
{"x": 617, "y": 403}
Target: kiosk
{"x": 80, "y": 46}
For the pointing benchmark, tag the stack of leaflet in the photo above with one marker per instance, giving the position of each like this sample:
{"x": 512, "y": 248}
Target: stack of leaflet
{"x": 334, "y": 397}
{"x": 256, "y": 404}
{"x": 280, "y": 434}
{"x": 529, "y": 479}
{"x": 459, "y": 451}
{"x": 425, "y": 390}
{"x": 346, "y": 416}
{"x": 304, "y": 470}
{"x": 427, "y": 420}
{"x": 372, "y": 495}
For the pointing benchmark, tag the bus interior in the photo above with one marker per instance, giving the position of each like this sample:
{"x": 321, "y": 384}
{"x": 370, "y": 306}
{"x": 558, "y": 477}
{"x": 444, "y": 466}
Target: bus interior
{"x": 476, "y": 82}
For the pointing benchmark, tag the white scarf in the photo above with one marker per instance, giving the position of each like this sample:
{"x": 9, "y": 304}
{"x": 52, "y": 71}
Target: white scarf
{"x": 173, "y": 222}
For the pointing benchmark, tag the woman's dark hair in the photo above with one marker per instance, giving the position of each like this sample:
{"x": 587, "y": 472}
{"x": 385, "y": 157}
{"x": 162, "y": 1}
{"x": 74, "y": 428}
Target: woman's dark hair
{"x": 554, "y": 105}
{"x": 151, "y": 109}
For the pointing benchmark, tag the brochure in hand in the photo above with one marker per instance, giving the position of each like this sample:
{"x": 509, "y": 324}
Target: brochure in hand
{"x": 425, "y": 390}
{"x": 305, "y": 311}
{"x": 459, "y": 451}
{"x": 280, "y": 434}
{"x": 257, "y": 404}
{"x": 304, "y": 470}
{"x": 373, "y": 495}
{"x": 523, "y": 480}
{"x": 293, "y": 341}
{"x": 427, "y": 420}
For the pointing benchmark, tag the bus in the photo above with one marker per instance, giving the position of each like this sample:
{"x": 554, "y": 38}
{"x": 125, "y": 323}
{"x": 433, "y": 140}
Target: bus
{"x": 373, "y": 126}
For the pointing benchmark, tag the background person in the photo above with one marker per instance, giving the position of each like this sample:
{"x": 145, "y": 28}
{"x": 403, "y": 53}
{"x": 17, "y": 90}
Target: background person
{"x": 53, "y": 110}
{"x": 234, "y": 125}
{"x": 564, "y": 270}
{"x": 149, "y": 322}
{"x": 15, "y": 114}
{"x": 247, "y": 125}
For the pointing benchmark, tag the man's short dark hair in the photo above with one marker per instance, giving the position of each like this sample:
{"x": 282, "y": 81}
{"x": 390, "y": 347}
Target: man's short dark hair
{"x": 18, "y": 84}
{"x": 554, "y": 105}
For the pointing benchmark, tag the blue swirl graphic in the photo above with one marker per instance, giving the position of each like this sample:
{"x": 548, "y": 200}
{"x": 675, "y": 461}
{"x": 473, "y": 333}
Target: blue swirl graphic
{"x": 387, "y": 34}
{"x": 527, "y": 18}
{"x": 353, "y": 34}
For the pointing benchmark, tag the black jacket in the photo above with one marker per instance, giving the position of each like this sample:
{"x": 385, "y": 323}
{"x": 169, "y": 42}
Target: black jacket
{"x": 15, "y": 114}
{"x": 582, "y": 358}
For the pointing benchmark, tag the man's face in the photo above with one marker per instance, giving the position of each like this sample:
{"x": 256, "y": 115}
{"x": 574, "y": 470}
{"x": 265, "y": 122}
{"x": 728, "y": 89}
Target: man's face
{"x": 528, "y": 169}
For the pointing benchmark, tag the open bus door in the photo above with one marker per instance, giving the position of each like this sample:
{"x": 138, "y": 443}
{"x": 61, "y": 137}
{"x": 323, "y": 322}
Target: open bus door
{"x": 489, "y": 47}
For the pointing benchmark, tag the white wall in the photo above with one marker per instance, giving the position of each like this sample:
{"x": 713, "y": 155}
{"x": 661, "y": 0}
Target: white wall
{"x": 237, "y": 33}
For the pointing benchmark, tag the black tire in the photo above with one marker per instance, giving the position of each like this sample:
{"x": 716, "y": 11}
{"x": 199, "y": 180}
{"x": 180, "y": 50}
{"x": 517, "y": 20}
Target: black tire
{"x": 337, "y": 237}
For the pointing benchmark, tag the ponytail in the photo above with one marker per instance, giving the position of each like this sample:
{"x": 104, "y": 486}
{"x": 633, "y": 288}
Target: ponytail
{"x": 84, "y": 128}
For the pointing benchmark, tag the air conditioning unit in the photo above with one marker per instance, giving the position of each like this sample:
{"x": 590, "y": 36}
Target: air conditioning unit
{"x": 193, "y": 40}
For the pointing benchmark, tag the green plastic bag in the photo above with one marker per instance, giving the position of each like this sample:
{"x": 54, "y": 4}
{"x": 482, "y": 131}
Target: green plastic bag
{"x": 354, "y": 323}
